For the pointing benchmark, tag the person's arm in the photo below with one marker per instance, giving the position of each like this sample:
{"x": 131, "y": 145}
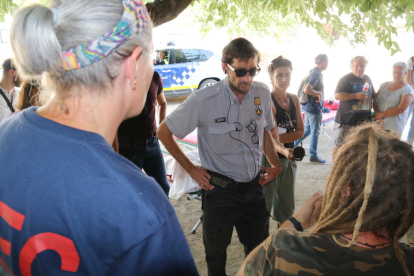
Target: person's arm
{"x": 299, "y": 131}
{"x": 269, "y": 150}
{"x": 344, "y": 96}
{"x": 162, "y": 107}
{"x": 341, "y": 95}
{"x": 306, "y": 216}
{"x": 313, "y": 81}
{"x": 374, "y": 100}
{"x": 408, "y": 77}
{"x": 199, "y": 174}
{"x": 403, "y": 105}
{"x": 310, "y": 91}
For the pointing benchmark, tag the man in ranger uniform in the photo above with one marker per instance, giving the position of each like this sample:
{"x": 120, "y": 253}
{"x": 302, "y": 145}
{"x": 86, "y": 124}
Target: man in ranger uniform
{"x": 234, "y": 121}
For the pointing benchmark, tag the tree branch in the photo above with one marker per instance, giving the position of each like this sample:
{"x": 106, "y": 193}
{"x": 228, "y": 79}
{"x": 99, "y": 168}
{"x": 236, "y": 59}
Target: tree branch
{"x": 164, "y": 11}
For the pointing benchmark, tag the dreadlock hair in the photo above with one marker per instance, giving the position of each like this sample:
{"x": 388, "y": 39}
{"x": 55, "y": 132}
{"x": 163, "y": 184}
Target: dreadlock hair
{"x": 370, "y": 188}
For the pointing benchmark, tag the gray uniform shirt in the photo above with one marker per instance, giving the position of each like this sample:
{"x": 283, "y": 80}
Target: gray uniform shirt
{"x": 218, "y": 115}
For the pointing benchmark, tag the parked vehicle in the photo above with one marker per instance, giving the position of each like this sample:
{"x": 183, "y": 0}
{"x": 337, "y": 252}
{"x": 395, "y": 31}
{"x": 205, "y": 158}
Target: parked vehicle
{"x": 184, "y": 71}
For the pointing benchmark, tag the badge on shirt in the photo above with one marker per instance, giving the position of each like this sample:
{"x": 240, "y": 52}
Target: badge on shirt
{"x": 259, "y": 111}
{"x": 220, "y": 120}
{"x": 257, "y": 100}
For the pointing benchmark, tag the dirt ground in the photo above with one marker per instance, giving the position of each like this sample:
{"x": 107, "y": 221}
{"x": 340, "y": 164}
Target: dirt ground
{"x": 310, "y": 178}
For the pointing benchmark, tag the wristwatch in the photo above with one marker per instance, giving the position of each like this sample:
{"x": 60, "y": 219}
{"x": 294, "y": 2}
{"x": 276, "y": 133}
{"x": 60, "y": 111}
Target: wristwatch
{"x": 296, "y": 224}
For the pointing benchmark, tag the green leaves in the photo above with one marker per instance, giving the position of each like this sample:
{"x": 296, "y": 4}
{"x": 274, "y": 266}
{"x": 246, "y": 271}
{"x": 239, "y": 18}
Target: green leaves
{"x": 352, "y": 19}
{"x": 6, "y": 7}
{"x": 10, "y": 6}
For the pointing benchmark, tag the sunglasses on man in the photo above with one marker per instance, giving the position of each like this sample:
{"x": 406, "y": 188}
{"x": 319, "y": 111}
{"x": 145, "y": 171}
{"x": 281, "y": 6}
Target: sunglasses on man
{"x": 242, "y": 72}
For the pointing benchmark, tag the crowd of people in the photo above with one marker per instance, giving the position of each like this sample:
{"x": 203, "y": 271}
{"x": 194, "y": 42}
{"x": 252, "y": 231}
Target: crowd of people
{"x": 85, "y": 134}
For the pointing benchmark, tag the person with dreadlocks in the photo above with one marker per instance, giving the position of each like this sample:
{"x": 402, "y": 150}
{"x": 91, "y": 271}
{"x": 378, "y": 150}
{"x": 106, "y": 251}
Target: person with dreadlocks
{"x": 367, "y": 207}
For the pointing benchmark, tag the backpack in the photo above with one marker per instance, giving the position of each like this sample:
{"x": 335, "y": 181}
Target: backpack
{"x": 303, "y": 97}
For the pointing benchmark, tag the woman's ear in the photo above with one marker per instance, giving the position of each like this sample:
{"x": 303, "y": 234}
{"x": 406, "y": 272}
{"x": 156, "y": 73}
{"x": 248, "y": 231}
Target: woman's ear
{"x": 132, "y": 65}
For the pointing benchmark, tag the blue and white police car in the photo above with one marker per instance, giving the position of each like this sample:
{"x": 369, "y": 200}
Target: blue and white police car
{"x": 186, "y": 70}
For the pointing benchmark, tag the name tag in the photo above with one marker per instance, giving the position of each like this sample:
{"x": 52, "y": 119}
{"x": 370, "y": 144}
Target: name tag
{"x": 220, "y": 120}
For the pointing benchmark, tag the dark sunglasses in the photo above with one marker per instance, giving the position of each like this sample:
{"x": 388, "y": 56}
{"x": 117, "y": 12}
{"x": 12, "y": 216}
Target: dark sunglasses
{"x": 242, "y": 72}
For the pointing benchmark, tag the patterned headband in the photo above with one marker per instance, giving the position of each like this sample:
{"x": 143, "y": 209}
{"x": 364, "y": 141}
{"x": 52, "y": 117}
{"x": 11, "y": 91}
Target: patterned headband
{"x": 133, "y": 21}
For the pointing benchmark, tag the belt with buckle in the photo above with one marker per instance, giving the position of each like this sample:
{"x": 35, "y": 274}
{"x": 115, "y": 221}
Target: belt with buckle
{"x": 225, "y": 182}
{"x": 128, "y": 141}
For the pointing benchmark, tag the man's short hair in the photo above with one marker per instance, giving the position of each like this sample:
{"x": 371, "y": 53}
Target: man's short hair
{"x": 321, "y": 58}
{"x": 357, "y": 58}
{"x": 7, "y": 65}
{"x": 239, "y": 48}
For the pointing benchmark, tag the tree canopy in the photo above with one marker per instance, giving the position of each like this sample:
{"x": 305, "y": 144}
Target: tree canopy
{"x": 352, "y": 19}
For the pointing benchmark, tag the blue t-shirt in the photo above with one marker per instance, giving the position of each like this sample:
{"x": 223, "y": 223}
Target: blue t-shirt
{"x": 70, "y": 205}
{"x": 316, "y": 80}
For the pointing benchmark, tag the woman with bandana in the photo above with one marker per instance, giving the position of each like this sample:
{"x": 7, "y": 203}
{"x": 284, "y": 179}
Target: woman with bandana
{"x": 78, "y": 206}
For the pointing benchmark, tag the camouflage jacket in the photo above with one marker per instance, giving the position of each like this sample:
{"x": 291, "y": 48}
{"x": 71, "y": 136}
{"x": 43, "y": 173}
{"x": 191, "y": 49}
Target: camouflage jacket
{"x": 289, "y": 252}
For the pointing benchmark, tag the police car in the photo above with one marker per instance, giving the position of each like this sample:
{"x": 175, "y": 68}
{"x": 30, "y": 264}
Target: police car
{"x": 186, "y": 70}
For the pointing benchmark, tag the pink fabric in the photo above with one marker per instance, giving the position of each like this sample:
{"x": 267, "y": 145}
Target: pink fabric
{"x": 327, "y": 117}
{"x": 333, "y": 106}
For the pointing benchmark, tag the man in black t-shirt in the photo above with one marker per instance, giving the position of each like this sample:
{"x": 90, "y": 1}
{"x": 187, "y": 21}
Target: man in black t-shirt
{"x": 355, "y": 104}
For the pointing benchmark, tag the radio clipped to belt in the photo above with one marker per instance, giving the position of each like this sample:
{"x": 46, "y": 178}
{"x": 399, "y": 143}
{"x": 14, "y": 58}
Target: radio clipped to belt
{"x": 228, "y": 183}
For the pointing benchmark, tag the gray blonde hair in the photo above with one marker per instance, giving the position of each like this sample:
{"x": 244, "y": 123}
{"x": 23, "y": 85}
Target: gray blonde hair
{"x": 39, "y": 37}
{"x": 402, "y": 64}
{"x": 359, "y": 58}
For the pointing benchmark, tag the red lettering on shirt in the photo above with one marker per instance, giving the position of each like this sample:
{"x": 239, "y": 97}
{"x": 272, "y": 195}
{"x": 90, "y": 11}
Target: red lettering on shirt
{"x": 5, "y": 246}
{"x": 5, "y": 266}
{"x": 12, "y": 217}
{"x": 49, "y": 241}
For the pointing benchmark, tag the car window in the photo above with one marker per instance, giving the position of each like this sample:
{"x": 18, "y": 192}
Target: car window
{"x": 186, "y": 55}
{"x": 157, "y": 58}
{"x": 205, "y": 55}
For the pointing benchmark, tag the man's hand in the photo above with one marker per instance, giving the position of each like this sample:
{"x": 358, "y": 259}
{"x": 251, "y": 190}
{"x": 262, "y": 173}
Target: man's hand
{"x": 201, "y": 176}
{"x": 378, "y": 115}
{"x": 318, "y": 97}
{"x": 269, "y": 175}
{"x": 361, "y": 96}
{"x": 309, "y": 213}
{"x": 288, "y": 153}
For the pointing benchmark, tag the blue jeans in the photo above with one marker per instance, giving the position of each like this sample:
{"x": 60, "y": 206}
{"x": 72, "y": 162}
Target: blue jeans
{"x": 313, "y": 127}
{"x": 148, "y": 157}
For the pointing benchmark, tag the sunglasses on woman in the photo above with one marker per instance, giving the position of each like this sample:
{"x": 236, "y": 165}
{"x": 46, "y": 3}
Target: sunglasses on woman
{"x": 242, "y": 72}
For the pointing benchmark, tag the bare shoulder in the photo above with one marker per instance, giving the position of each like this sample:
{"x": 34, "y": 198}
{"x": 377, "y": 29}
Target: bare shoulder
{"x": 294, "y": 98}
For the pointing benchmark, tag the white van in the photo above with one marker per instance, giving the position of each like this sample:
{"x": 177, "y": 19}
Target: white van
{"x": 186, "y": 70}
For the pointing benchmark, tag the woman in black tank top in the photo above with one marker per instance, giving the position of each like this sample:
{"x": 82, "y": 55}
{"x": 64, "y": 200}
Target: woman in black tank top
{"x": 279, "y": 193}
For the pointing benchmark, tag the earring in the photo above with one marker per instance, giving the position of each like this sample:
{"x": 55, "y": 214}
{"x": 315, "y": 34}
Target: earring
{"x": 135, "y": 82}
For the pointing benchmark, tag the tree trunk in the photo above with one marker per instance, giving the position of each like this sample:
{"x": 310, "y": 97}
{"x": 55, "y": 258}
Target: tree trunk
{"x": 164, "y": 11}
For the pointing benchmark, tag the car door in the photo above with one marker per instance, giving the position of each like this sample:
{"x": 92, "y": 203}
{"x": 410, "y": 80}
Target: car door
{"x": 165, "y": 70}
{"x": 184, "y": 69}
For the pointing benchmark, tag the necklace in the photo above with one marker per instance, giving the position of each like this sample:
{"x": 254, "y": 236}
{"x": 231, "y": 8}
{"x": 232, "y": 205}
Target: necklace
{"x": 367, "y": 244}
{"x": 284, "y": 102}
